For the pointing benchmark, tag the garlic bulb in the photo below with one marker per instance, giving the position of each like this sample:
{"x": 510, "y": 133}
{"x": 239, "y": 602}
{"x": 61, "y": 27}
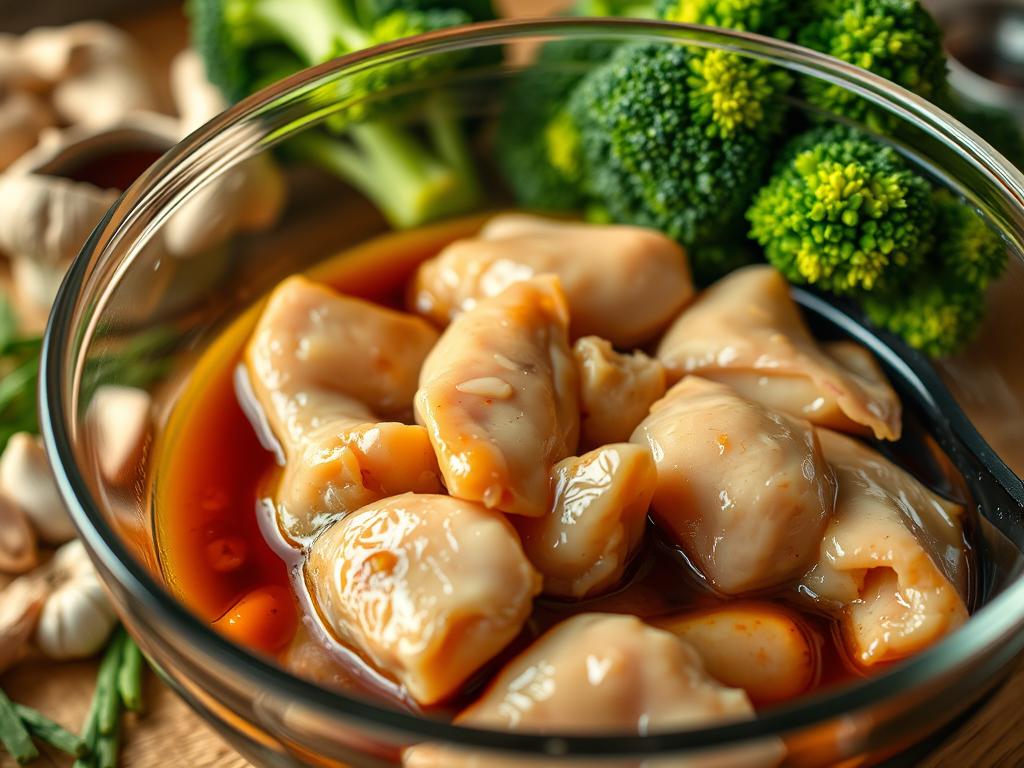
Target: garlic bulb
{"x": 77, "y": 617}
{"x": 27, "y": 481}
{"x": 18, "y": 550}
{"x": 20, "y": 604}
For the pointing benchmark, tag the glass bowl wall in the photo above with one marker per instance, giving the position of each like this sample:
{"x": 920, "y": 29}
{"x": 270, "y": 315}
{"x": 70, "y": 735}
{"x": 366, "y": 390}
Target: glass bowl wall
{"x": 277, "y": 719}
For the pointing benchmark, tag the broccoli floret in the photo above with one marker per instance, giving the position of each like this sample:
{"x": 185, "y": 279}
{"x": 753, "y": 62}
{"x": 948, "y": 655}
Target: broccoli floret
{"x": 475, "y": 10}
{"x": 843, "y": 213}
{"x": 896, "y": 39}
{"x": 934, "y": 314}
{"x": 633, "y": 9}
{"x": 537, "y": 142}
{"x": 765, "y": 17}
{"x": 966, "y": 248}
{"x": 710, "y": 261}
{"x": 670, "y": 138}
{"x": 246, "y": 43}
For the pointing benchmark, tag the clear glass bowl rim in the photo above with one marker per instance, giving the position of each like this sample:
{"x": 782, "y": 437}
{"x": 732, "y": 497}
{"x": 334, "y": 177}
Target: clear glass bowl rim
{"x": 992, "y": 625}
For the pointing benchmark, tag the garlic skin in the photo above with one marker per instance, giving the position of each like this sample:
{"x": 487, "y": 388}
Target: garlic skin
{"x": 20, "y": 605}
{"x": 27, "y": 480}
{"x": 77, "y": 617}
{"x": 19, "y": 551}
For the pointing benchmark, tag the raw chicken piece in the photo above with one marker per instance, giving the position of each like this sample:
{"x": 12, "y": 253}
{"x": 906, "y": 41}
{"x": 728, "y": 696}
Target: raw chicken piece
{"x": 892, "y": 562}
{"x": 322, "y": 367}
{"x": 428, "y": 587}
{"x": 498, "y": 396}
{"x": 346, "y": 465}
{"x": 316, "y": 355}
{"x": 603, "y": 674}
{"x": 583, "y": 545}
{"x": 758, "y": 647}
{"x": 746, "y": 331}
{"x": 616, "y": 390}
{"x": 624, "y": 284}
{"x": 744, "y": 490}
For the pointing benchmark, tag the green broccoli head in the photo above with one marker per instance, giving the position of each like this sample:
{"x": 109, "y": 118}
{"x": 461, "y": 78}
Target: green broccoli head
{"x": 670, "y": 140}
{"x": 843, "y": 213}
{"x": 710, "y": 261}
{"x": 636, "y": 9}
{"x": 933, "y": 314}
{"x": 538, "y": 143}
{"x": 896, "y": 39}
{"x": 475, "y": 10}
{"x": 967, "y": 250}
{"x": 765, "y": 17}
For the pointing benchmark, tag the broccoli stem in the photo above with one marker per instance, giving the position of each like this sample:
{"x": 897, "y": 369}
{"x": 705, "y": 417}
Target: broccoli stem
{"x": 387, "y": 164}
{"x": 317, "y": 30}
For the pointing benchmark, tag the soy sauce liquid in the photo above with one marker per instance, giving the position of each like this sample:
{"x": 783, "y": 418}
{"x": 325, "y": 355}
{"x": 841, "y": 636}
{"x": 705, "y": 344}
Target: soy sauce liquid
{"x": 217, "y": 539}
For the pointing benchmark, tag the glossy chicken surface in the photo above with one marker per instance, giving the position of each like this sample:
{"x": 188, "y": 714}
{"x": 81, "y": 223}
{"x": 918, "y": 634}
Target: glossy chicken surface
{"x": 624, "y": 284}
{"x": 892, "y": 559}
{"x": 616, "y": 390}
{"x": 583, "y": 545}
{"x": 562, "y": 493}
{"x": 746, "y": 331}
{"x": 603, "y": 674}
{"x": 744, "y": 490}
{"x": 429, "y": 587}
{"x": 499, "y": 398}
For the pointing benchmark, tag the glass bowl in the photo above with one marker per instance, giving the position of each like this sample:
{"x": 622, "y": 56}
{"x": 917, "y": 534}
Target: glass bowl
{"x": 96, "y": 336}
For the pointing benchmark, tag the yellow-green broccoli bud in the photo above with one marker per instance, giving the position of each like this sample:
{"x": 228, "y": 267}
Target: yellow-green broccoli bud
{"x": 765, "y": 17}
{"x": 896, "y": 39}
{"x": 966, "y": 249}
{"x": 932, "y": 313}
{"x": 843, "y": 213}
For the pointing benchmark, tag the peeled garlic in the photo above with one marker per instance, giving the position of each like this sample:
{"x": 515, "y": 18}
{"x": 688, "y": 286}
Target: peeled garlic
{"x": 77, "y": 617}
{"x": 26, "y": 480}
{"x": 118, "y": 419}
{"x": 20, "y": 604}
{"x": 18, "y": 550}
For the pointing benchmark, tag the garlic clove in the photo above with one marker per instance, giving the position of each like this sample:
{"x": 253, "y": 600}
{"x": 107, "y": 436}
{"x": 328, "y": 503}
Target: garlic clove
{"x": 15, "y": 74}
{"x": 118, "y": 418}
{"x": 20, "y": 606}
{"x": 77, "y": 617}
{"x": 22, "y": 118}
{"x": 246, "y": 198}
{"x": 27, "y": 480}
{"x": 36, "y": 284}
{"x": 19, "y": 551}
{"x": 99, "y": 73}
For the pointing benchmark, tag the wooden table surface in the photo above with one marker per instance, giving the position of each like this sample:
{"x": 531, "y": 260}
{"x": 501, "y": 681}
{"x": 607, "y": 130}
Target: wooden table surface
{"x": 171, "y": 736}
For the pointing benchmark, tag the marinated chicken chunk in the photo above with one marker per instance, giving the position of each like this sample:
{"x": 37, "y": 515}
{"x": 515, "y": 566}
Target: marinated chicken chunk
{"x": 428, "y": 588}
{"x": 603, "y": 674}
{"x": 616, "y": 390}
{"x": 322, "y": 367}
{"x": 499, "y": 398}
{"x": 746, "y": 331}
{"x": 624, "y": 284}
{"x": 583, "y": 545}
{"x": 892, "y": 563}
{"x": 758, "y": 647}
{"x": 317, "y": 355}
{"x": 347, "y": 464}
{"x": 744, "y": 490}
